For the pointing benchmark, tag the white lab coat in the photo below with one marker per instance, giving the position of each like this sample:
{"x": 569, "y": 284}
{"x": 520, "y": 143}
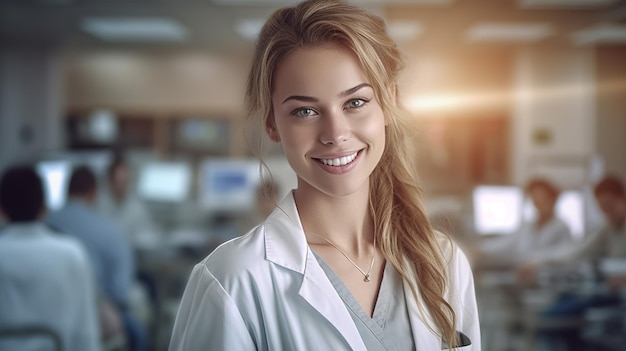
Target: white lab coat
{"x": 530, "y": 243}
{"x": 266, "y": 291}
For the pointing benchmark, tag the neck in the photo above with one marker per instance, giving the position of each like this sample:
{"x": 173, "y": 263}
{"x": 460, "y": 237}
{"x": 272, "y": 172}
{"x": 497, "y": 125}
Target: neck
{"x": 542, "y": 220}
{"x": 345, "y": 221}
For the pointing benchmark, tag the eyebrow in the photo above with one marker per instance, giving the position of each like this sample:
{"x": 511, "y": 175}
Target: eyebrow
{"x": 342, "y": 94}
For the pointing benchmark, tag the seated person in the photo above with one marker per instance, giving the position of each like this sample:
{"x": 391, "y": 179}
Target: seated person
{"x": 45, "y": 278}
{"x": 118, "y": 203}
{"x": 609, "y": 242}
{"x": 109, "y": 251}
{"x": 535, "y": 239}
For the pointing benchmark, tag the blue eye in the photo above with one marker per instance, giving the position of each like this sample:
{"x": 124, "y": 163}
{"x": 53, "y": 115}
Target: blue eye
{"x": 356, "y": 103}
{"x": 304, "y": 112}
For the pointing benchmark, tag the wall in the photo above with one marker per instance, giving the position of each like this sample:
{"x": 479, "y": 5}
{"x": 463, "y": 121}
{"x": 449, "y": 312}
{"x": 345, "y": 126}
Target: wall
{"x": 159, "y": 81}
{"x": 611, "y": 110}
{"x": 554, "y": 114}
{"x": 31, "y": 94}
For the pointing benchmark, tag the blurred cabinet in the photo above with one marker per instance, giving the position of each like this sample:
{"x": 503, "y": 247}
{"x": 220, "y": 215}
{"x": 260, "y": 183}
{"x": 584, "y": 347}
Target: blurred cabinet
{"x": 194, "y": 135}
{"x": 454, "y": 154}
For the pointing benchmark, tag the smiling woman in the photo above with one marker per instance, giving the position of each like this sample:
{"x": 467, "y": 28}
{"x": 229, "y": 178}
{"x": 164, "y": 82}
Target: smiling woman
{"x": 348, "y": 260}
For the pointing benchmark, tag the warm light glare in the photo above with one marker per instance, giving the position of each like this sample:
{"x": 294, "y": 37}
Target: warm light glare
{"x": 460, "y": 102}
{"x": 449, "y": 102}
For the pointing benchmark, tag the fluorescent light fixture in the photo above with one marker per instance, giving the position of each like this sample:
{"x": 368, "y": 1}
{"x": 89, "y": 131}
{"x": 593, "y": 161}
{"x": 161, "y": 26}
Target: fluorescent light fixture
{"x": 564, "y": 3}
{"x": 404, "y": 30}
{"x": 134, "y": 29}
{"x": 249, "y": 28}
{"x": 605, "y": 33}
{"x": 508, "y": 32}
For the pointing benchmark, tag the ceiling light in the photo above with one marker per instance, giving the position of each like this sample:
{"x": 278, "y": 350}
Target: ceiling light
{"x": 605, "y": 33}
{"x": 134, "y": 29}
{"x": 508, "y": 32}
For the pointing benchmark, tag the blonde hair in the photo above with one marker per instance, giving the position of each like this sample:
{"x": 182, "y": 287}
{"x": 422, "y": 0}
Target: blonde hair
{"x": 401, "y": 224}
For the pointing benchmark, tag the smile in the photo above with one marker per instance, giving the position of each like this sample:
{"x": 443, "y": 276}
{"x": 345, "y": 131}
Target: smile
{"x": 340, "y": 161}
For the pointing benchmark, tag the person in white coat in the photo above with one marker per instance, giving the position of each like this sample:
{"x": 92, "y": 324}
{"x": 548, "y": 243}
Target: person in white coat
{"x": 538, "y": 238}
{"x": 348, "y": 260}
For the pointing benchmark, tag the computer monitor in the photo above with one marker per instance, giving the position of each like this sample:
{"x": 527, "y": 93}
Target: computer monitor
{"x": 228, "y": 185}
{"x": 55, "y": 175}
{"x": 164, "y": 181}
{"x": 497, "y": 209}
{"x": 570, "y": 207}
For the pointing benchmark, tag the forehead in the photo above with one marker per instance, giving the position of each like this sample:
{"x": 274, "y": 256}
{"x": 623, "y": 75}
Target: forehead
{"x": 308, "y": 70}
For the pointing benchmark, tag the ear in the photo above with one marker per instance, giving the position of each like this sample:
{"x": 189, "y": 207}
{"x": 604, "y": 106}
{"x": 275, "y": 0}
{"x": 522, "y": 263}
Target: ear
{"x": 271, "y": 130}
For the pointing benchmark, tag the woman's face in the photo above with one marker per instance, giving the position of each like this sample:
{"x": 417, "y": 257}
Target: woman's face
{"x": 328, "y": 120}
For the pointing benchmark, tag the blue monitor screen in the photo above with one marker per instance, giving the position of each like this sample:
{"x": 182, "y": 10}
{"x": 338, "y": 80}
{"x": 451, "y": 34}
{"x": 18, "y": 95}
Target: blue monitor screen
{"x": 228, "y": 185}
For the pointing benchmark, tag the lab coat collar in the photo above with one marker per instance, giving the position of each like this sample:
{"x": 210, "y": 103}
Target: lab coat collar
{"x": 286, "y": 245}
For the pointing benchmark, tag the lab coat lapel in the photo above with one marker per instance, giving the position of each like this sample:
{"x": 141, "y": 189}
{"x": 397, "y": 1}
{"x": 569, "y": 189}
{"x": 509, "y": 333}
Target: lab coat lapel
{"x": 425, "y": 338}
{"x": 319, "y": 292}
{"x": 285, "y": 245}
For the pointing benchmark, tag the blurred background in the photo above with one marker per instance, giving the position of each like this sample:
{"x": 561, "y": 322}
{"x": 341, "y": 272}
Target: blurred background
{"x": 501, "y": 92}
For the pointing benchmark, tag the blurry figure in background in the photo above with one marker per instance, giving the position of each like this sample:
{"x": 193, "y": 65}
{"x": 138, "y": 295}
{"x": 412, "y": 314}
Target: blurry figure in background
{"x": 536, "y": 239}
{"x": 126, "y": 210}
{"x": 110, "y": 253}
{"x": 45, "y": 279}
{"x": 609, "y": 242}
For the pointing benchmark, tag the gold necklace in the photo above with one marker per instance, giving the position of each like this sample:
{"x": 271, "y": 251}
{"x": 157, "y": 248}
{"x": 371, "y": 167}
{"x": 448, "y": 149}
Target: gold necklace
{"x": 366, "y": 275}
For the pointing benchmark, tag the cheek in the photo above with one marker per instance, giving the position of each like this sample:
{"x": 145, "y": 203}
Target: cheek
{"x": 375, "y": 128}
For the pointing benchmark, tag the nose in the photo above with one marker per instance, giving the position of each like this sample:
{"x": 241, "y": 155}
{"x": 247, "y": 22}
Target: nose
{"x": 335, "y": 129}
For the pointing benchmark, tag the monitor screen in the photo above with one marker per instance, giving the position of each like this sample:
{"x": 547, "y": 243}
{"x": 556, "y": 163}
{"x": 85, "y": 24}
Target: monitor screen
{"x": 497, "y": 209}
{"x": 55, "y": 175}
{"x": 228, "y": 185}
{"x": 164, "y": 181}
{"x": 570, "y": 208}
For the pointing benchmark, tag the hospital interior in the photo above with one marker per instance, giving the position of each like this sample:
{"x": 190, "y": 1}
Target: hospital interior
{"x": 503, "y": 94}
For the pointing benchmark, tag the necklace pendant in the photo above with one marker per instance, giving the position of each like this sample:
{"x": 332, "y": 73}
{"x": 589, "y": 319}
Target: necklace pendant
{"x": 367, "y": 278}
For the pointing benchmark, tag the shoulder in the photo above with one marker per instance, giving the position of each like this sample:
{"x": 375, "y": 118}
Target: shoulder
{"x": 454, "y": 258}
{"x": 69, "y": 247}
{"x": 449, "y": 249}
{"x": 237, "y": 257}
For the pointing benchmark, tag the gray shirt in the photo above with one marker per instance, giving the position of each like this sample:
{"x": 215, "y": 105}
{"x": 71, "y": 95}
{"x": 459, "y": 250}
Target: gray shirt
{"x": 390, "y": 327}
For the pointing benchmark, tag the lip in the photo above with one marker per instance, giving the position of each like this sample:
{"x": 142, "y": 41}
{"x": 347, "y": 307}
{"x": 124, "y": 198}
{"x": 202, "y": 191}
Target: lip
{"x": 339, "y": 169}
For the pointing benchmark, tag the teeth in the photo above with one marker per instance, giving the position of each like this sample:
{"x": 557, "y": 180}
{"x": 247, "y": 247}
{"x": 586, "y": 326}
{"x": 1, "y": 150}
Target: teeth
{"x": 340, "y": 161}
